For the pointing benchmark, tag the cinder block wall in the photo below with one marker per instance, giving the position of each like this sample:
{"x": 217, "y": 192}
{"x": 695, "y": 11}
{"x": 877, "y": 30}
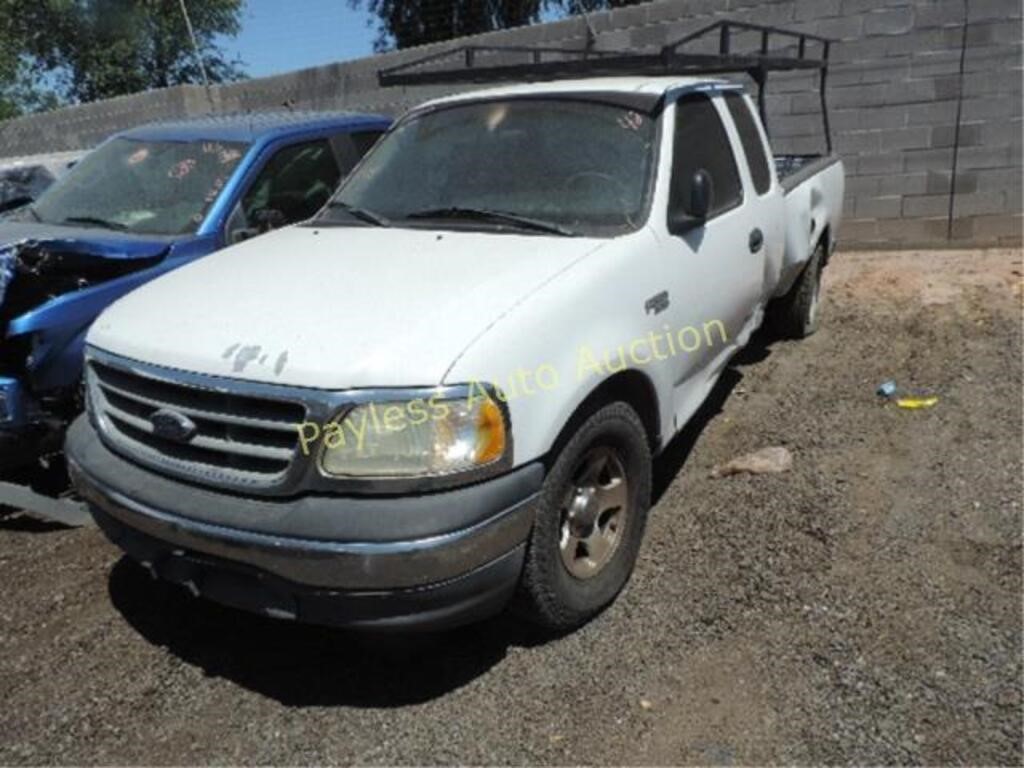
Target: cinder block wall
{"x": 925, "y": 99}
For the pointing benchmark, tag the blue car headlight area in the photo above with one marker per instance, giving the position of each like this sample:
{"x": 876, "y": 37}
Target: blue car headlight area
{"x": 11, "y": 406}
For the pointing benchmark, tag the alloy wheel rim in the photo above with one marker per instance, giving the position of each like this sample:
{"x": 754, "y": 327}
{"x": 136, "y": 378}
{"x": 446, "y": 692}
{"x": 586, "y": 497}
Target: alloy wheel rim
{"x": 594, "y": 512}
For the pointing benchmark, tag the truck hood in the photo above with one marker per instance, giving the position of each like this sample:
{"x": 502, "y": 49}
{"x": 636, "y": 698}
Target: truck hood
{"x": 334, "y": 308}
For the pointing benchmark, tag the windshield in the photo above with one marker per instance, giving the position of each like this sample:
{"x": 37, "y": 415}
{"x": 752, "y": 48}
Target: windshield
{"x": 582, "y": 166}
{"x": 148, "y": 187}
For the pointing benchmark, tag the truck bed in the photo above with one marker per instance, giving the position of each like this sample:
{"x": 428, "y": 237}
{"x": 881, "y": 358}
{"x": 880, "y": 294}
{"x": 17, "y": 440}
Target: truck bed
{"x": 793, "y": 169}
{"x": 813, "y": 186}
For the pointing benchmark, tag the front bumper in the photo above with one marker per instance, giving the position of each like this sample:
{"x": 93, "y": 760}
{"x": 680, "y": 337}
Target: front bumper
{"x": 400, "y": 561}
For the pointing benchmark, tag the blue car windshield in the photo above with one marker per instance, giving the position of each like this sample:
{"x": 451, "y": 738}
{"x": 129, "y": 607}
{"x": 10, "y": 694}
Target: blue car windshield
{"x": 144, "y": 187}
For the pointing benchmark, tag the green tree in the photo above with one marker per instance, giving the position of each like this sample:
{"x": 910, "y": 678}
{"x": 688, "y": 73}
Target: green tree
{"x": 8, "y": 73}
{"x": 84, "y": 50}
{"x": 405, "y": 23}
{"x": 16, "y": 63}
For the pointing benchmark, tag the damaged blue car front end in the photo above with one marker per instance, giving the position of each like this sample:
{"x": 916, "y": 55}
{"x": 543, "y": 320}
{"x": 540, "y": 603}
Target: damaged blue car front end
{"x": 52, "y": 287}
{"x": 143, "y": 203}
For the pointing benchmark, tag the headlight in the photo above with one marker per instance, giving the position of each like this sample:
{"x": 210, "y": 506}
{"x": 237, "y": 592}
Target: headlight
{"x": 423, "y": 437}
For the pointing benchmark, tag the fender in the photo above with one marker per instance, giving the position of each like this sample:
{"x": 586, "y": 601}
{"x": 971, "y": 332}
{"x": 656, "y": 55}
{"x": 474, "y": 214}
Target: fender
{"x": 590, "y": 311}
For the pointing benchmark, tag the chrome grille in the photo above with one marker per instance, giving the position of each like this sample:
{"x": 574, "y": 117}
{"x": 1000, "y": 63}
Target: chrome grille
{"x": 240, "y": 440}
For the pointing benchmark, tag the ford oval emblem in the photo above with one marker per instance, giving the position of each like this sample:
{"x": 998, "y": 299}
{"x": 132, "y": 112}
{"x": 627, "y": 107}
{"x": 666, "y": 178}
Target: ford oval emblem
{"x": 173, "y": 426}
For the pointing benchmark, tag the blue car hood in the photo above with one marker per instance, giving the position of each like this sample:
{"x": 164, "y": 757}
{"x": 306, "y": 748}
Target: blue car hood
{"x": 84, "y": 241}
{"x": 103, "y": 243}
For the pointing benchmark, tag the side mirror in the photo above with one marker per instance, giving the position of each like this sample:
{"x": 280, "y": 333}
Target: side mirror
{"x": 241, "y": 235}
{"x": 695, "y": 206}
{"x": 702, "y": 194}
{"x": 267, "y": 219}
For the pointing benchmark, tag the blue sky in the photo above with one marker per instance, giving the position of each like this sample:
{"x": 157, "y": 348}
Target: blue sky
{"x": 282, "y": 35}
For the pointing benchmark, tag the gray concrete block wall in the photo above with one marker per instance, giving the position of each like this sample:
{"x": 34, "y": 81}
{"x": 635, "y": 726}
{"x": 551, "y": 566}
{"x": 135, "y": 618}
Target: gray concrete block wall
{"x": 915, "y": 134}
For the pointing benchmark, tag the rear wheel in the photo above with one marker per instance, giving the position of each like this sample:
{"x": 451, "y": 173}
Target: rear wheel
{"x": 590, "y": 521}
{"x": 795, "y": 315}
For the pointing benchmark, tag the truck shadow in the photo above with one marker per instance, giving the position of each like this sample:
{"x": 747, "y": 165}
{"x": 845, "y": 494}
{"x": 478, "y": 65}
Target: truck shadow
{"x": 303, "y": 666}
{"x": 16, "y": 520}
{"x": 672, "y": 459}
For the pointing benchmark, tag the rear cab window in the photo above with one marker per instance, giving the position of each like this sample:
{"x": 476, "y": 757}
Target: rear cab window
{"x": 750, "y": 138}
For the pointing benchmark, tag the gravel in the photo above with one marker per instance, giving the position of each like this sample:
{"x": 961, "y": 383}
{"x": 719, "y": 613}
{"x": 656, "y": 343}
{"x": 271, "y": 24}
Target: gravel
{"x": 864, "y": 607}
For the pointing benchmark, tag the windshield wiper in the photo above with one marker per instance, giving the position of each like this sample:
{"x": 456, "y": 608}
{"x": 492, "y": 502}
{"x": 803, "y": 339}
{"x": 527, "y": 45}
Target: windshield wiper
{"x": 96, "y": 221}
{"x": 360, "y": 213}
{"x": 485, "y": 214}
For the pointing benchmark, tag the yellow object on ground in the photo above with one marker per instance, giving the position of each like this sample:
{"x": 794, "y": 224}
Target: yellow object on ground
{"x": 914, "y": 403}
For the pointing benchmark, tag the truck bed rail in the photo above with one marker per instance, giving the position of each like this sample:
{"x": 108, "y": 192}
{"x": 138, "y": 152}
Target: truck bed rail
{"x": 793, "y": 169}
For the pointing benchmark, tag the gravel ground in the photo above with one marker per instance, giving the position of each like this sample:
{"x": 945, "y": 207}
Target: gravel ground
{"x": 863, "y": 608}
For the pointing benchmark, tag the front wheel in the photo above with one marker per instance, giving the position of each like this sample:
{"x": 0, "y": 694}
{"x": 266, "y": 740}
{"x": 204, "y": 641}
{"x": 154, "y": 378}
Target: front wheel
{"x": 795, "y": 315}
{"x": 590, "y": 521}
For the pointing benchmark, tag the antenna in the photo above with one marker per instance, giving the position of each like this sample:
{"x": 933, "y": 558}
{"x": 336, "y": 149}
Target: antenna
{"x": 591, "y": 34}
{"x": 195, "y": 50}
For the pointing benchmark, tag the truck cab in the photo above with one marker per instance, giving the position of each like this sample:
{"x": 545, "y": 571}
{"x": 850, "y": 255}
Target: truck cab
{"x": 144, "y": 203}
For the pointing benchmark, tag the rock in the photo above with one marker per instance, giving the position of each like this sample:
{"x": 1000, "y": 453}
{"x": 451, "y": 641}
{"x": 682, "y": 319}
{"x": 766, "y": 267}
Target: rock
{"x": 771, "y": 460}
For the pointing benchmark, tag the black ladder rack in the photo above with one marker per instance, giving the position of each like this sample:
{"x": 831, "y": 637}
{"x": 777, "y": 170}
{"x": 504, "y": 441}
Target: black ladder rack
{"x": 569, "y": 63}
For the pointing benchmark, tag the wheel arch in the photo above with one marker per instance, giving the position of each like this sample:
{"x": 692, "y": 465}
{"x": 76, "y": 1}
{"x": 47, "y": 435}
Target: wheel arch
{"x": 630, "y": 386}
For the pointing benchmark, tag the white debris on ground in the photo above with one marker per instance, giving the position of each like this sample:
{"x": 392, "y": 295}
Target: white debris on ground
{"x": 766, "y": 461}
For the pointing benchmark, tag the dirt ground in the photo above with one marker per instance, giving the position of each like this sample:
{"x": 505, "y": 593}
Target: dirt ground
{"x": 863, "y": 608}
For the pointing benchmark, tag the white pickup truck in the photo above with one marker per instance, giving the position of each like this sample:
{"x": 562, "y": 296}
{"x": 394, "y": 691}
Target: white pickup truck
{"x": 444, "y": 393}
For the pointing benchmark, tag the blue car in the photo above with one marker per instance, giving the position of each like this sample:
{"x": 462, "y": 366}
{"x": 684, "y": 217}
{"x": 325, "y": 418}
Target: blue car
{"x": 143, "y": 203}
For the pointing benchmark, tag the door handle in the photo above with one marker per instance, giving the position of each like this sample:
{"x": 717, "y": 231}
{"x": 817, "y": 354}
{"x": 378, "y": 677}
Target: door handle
{"x": 756, "y": 240}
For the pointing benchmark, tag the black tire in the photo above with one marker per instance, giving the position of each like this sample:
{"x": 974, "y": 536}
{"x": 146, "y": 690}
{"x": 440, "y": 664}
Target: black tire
{"x": 549, "y": 595}
{"x": 795, "y": 315}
